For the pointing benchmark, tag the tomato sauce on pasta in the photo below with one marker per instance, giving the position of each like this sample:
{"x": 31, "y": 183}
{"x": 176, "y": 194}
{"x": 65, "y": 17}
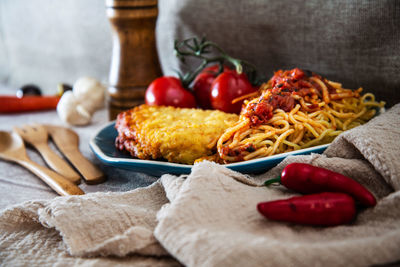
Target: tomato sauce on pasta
{"x": 295, "y": 109}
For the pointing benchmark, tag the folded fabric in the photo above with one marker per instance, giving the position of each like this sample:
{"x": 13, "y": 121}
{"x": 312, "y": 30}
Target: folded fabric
{"x": 47, "y": 233}
{"x": 209, "y": 217}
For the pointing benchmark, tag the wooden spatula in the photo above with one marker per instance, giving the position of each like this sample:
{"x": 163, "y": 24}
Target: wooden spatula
{"x": 67, "y": 142}
{"x": 12, "y": 148}
{"x": 37, "y": 136}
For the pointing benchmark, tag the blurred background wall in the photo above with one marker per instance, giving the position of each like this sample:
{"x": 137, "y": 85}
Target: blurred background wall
{"x": 47, "y": 42}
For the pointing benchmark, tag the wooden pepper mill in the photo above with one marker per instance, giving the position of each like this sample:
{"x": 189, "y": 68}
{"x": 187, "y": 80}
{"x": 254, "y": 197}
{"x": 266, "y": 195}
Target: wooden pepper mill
{"x": 134, "y": 63}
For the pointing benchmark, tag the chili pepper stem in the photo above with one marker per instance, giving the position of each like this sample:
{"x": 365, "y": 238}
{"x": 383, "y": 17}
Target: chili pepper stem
{"x": 272, "y": 181}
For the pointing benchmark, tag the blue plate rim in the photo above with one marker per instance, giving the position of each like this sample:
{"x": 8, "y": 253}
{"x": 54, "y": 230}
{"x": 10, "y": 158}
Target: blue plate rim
{"x": 141, "y": 162}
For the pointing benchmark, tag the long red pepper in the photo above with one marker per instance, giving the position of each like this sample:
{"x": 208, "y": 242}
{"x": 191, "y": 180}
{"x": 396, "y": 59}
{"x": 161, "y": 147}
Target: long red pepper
{"x": 13, "y": 104}
{"x": 307, "y": 179}
{"x": 323, "y": 209}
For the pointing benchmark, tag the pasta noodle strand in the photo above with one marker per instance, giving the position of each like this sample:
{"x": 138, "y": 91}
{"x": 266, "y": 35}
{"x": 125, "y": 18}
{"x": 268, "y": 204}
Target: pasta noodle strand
{"x": 318, "y": 115}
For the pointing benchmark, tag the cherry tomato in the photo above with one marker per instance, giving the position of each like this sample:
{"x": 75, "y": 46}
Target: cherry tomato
{"x": 202, "y": 85}
{"x": 228, "y": 86}
{"x": 168, "y": 91}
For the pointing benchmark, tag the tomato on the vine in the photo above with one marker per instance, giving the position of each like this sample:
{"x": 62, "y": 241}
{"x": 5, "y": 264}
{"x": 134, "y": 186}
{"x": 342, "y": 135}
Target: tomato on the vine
{"x": 168, "y": 91}
{"x": 202, "y": 85}
{"x": 228, "y": 86}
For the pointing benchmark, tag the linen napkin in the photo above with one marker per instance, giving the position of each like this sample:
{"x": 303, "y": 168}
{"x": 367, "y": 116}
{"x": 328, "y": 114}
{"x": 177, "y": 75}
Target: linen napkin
{"x": 209, "y": 217}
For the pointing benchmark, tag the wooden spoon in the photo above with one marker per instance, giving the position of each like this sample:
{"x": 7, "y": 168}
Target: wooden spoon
{"x": 67, "y": 142}
{"x": 12, "y": 149}
{"x": 37, "y": 136}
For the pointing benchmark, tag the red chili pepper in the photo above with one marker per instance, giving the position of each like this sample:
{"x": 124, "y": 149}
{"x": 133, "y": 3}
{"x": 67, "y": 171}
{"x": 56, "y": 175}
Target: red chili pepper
{"x": 13, "y": 104}
{"x": 306, "y": 179}
{"x": 324, "y": 209}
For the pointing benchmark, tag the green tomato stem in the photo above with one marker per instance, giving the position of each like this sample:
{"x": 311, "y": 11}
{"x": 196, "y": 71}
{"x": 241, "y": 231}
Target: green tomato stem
{"x": 192, "y": 47}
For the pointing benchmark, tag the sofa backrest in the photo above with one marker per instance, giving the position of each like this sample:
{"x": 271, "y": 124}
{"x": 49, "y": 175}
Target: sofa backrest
{"x": 354, "y": 42}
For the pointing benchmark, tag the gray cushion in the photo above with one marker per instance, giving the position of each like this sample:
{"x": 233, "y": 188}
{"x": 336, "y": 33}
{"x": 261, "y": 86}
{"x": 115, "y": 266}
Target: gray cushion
{"x": 354, "y": 42}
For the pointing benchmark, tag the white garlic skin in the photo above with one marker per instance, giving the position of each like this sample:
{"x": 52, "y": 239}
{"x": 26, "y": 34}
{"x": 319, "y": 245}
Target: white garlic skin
{"x": 76, "y": 107}
{"x": 90, "y": 93}
{"x": 71, "y": 112}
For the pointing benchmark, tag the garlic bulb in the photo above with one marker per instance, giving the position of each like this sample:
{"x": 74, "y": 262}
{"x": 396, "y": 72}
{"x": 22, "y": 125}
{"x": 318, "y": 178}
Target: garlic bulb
{"x": 90, "y": 92}
{"x": 76, "y": 107}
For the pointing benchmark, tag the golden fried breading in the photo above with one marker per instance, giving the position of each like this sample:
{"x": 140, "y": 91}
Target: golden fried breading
{"x": 178, "y": 135}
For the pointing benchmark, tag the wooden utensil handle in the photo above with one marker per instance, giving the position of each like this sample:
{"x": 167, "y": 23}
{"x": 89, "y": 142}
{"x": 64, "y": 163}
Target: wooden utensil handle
{"x": 57, "y": 182}
{"x": 90, "y": 173}
{"x": 57, "y": 163}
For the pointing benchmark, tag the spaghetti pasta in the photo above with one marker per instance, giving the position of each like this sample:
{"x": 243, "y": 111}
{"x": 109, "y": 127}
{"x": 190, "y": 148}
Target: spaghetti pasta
{"x": 294, "y": 110}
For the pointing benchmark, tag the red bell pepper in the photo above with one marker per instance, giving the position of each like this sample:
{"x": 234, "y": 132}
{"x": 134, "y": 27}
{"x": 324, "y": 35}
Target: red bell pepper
{"x": 324, "y": 209}
{"x": 13, "y": 104}
{"x": 308, "y": 179}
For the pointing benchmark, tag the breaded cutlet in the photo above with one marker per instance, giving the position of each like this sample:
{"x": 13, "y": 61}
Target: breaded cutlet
{"x": 178, "y": 135}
